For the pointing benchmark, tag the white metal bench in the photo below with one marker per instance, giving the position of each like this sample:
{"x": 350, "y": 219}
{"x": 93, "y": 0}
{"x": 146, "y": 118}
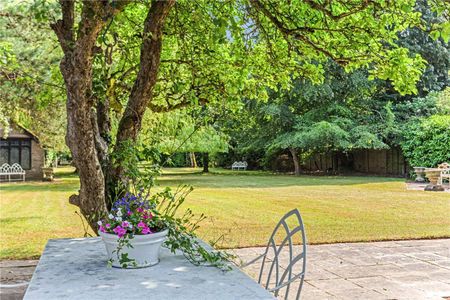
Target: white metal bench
{"x": 239, "y": 165}
{"x": 15, "y": 170}
{"x": 445, "y": 175}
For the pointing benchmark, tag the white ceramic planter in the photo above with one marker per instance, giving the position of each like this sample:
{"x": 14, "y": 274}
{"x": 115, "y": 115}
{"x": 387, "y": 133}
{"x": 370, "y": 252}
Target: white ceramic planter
{"x": 145, "y": 249}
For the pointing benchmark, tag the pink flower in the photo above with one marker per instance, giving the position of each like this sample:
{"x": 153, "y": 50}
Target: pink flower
{"x": 148, "y": 215}
{"x": 146, "y": 230}
{"x": 119, "y": 231}
{"x": 125, "y": 224}
{"x": 142, "y": 224}
{"x": 102, "y": 229}
{"x": 129, "y": 213}
{"x": 139, "y": 209}
{"x": 108, "y": 225}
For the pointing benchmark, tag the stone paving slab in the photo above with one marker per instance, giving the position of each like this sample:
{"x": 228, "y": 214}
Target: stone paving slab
{"x": 14, "y": 278}
{"x": 416, "y": 186}
{"x": 417, "y": 269}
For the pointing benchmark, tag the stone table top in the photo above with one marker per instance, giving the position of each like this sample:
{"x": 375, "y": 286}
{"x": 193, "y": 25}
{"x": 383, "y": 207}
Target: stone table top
{"x": 77, "y": 269}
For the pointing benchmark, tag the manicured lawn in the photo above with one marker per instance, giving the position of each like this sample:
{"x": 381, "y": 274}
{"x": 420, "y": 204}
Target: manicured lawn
{"x": 243, "y": 208}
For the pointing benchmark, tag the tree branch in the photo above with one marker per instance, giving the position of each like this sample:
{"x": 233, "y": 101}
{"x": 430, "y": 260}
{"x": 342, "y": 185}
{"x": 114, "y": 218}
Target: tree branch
{"x": 64, "y": 28}
{"x": 141, "y": 93}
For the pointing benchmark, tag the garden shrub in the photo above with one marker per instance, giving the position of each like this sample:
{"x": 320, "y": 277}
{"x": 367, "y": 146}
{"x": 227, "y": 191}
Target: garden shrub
{"x": 427, "y": 141}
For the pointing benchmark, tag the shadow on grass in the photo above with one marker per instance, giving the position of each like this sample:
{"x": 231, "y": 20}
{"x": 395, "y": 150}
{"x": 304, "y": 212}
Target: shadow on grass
{"x": 39, "y": 186}
{"x": 67, "y": 181}
{"x": 15, "y": 220}
{"x": 264, "y": 180}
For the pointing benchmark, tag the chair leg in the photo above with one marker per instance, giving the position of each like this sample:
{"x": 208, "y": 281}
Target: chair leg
{"x": 300, "y": 288}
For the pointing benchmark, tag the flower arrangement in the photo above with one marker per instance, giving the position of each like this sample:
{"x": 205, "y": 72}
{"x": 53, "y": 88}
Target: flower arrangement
{"x": 140, "y": 213}
{"x": 131, "y": 214}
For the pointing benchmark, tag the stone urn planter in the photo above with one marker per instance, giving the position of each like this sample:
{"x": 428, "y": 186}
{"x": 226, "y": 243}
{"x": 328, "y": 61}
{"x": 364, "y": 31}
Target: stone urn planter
{"x": 47, "y": 174}
{"x": 433, "y": 175}
{"x": 420, "y": 171}
{"x": 144, "y": 251}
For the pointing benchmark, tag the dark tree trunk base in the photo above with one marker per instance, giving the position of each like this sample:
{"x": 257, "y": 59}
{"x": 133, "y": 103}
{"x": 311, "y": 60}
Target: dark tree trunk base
{"x": 205, "y": 162}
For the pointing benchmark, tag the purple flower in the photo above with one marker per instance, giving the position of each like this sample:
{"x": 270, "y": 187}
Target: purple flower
{"x": 102, "y": 229}
{"x": 125, "y": 224}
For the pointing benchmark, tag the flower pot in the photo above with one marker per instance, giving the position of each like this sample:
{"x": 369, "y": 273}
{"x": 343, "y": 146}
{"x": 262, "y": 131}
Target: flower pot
{"x": 145, "y": 250}
{"x": 433, "y": 175}
{"x": 419, "y": 173}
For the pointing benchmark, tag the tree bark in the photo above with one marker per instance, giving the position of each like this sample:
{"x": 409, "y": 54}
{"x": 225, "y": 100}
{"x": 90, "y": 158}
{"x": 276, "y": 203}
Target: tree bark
{"x": 193, "y": 160}
{"x": 205, "y": 162}
{"x": 76, "y": 68}
{"x": 295, "y": 160}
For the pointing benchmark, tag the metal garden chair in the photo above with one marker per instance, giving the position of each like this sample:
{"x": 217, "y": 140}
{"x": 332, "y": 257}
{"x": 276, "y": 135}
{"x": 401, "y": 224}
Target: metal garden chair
{"x": 281, "y": 277}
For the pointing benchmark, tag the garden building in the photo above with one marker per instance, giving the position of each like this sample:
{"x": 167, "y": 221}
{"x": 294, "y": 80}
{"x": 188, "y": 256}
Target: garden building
{"x": 19, "y": 145}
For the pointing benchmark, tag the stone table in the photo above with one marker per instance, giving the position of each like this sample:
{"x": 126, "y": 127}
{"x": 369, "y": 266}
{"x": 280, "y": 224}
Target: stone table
{"x": 77, "y": 269}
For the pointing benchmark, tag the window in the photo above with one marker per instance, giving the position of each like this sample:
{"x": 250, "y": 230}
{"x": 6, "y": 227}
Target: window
{"x": 16, "y": 151}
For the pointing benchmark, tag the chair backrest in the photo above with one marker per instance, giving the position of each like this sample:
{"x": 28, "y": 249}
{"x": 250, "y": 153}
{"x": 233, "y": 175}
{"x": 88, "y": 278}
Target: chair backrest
{"x": 277, "y": 276}
{"x": 16, "y": 168}
{"x": 444, "y": 165}
{"x": 5, "y": 168}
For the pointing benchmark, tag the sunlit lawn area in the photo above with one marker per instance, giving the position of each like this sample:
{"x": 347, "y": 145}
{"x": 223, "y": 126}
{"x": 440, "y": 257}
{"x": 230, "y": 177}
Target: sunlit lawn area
{"x": 243, "y": 207}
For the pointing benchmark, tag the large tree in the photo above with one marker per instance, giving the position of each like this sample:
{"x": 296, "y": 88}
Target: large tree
{"x": 337, "y": 115}
{"x": 187, "y": 52}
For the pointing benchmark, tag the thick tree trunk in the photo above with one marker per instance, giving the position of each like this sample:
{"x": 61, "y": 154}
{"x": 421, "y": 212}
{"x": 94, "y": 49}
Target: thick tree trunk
{"x": 81, "y": 130}
{"x": 205, "y": 162}
{"x": 295, "y": 160}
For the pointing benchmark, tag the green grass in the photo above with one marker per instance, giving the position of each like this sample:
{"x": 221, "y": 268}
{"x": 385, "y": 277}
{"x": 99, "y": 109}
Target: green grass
{"x": 243, "y": 207}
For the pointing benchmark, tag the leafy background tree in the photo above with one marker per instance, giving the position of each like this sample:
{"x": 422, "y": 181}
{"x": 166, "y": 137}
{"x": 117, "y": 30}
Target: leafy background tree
{"x": 184, "y": 131}
{"x": 31, "y": 86}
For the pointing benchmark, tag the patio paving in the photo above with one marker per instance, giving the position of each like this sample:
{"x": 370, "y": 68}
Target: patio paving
{"x": 14, "y": 278}
{"x": 420, "y": 186}
{"x": 380, "y": 270}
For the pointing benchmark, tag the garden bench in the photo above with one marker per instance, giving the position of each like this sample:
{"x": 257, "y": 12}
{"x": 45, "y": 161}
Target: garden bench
{"x": 445, "y": 175}
{"x": 239, "y": 165}
{"x": 8, "y": 171}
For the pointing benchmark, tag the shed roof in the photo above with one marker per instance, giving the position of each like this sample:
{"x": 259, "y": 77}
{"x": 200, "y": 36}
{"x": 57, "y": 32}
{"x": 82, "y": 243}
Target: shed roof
{"x": 14, "y": 131}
